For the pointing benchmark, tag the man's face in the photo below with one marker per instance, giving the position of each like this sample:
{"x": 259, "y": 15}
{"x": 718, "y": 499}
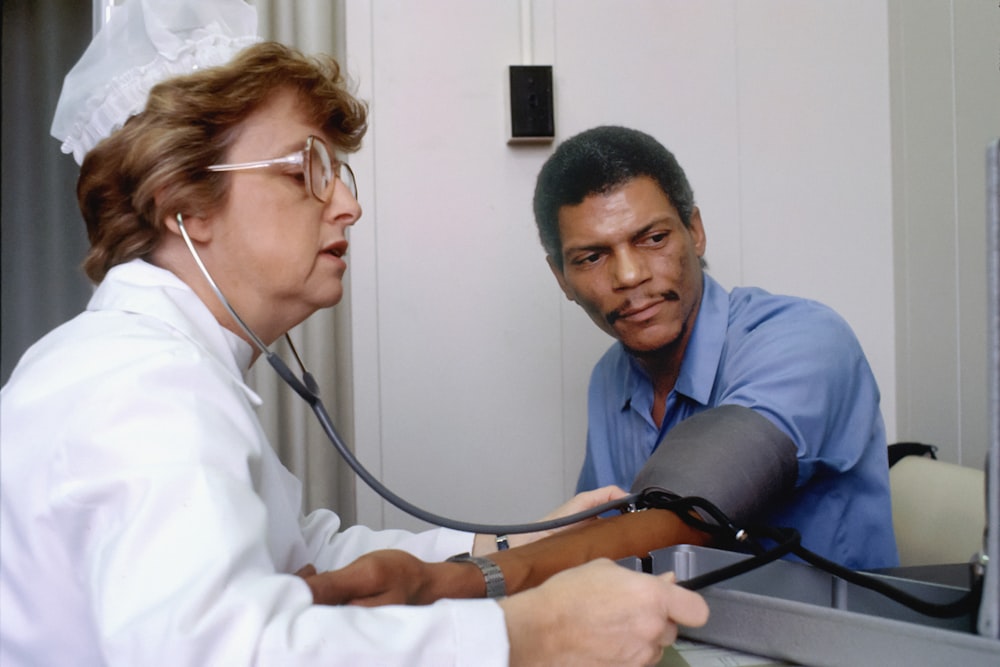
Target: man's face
{"x": 632, "y": 265}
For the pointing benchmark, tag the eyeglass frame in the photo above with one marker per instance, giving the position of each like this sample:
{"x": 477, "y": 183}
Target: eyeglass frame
{"x": 303, "y": 157}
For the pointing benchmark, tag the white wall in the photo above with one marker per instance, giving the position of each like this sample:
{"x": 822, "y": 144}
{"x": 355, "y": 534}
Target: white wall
{"x": 469, "y": 368}
{"x": 947, "y": 87}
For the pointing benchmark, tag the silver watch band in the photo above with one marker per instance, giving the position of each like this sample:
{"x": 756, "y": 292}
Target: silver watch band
{"x": 496, "y": 586}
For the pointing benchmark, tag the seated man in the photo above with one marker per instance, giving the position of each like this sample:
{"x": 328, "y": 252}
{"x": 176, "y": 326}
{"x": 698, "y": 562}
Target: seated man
{"x": 775, "y": 381}
{"x": 764, "y": 405}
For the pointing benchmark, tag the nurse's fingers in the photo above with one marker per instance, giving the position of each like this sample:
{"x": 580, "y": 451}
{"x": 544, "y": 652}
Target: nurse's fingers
{"x": 683, "y": 606}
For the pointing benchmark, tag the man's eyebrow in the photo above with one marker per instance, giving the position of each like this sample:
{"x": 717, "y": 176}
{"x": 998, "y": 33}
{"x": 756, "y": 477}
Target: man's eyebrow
{"x": 649, "y": 227}
{"x": 594, "y": 247}
{"x": 666, "y": 219}
{"x": 655, "y": 223}
{"x": 637, "y": 234}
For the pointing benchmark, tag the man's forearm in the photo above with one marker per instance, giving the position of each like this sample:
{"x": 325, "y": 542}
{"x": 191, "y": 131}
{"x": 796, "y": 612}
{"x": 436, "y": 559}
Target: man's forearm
{"x": 396, "y": 577}
{"x": 633, "y": 534}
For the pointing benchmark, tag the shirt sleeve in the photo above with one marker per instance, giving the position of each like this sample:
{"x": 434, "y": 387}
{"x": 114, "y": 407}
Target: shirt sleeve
{"x": 798, "y": 364}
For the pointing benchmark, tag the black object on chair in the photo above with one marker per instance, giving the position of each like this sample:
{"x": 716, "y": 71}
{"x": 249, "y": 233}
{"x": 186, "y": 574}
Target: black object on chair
{"x": 898, "y": 450}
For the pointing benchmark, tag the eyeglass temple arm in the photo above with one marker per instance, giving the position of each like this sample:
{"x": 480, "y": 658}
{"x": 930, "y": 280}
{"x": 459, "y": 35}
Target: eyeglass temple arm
{"x": 294, "y": 158}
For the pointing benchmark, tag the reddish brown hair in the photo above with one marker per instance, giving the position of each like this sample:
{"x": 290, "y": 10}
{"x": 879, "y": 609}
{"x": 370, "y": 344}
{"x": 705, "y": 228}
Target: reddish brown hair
{"x": 188, "y": 124}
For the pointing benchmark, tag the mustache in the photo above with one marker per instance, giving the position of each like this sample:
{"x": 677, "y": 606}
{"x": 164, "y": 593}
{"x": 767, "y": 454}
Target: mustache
{"x": 623, "y": 309}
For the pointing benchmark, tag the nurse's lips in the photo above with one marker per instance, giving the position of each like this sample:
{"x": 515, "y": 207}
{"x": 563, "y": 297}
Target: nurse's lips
{"x": 338, "y": 249}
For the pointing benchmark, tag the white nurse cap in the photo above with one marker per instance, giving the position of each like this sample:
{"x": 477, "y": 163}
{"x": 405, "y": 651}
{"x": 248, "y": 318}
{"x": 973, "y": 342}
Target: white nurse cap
{"x": 143, "y": 43}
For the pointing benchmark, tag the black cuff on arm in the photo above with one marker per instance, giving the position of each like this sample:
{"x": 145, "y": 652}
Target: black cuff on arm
{"x": 730, "y": 455}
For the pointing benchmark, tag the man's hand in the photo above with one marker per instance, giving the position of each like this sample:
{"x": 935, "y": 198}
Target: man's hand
{"x": 599, "y": 614}
{"x": 391, "y": 576}
{"x": 580, "y": 502}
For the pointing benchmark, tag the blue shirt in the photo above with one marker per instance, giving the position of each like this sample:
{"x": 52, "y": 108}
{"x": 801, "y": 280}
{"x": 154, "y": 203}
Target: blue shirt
{"x": 797, "y": 363}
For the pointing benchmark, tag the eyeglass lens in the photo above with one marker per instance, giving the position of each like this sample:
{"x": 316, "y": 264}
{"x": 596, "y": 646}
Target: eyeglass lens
{"x": 321, "y": 172}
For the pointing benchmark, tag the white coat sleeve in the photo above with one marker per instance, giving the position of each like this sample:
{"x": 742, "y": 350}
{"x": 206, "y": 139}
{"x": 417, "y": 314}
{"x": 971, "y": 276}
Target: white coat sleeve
{"x": 332, "y": 549}
{"x": 162, "y": 494}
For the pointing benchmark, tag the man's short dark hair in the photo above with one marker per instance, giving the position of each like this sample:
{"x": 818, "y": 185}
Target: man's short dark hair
{"x": 598, "y": 161}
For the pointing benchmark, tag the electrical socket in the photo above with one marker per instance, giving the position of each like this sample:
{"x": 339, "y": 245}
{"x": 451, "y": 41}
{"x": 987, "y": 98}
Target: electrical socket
{"x": 532, "y": 117}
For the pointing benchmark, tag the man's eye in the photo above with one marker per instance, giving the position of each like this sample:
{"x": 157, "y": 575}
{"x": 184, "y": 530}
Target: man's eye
{"x": 589, "y": 258}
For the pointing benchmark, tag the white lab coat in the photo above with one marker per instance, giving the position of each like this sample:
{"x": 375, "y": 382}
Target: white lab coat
{"x": 145, "y": 519}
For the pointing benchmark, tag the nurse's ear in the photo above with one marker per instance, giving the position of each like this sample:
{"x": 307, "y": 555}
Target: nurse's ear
{"x": 196, "y": 226}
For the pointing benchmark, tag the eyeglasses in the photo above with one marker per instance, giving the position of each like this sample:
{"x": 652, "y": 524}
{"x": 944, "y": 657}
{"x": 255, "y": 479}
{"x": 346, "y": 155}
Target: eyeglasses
{"x": 319, "y": 168}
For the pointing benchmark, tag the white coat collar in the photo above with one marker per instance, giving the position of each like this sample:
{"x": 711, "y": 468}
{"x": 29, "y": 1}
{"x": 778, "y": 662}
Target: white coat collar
{"x": 139, "y": 287}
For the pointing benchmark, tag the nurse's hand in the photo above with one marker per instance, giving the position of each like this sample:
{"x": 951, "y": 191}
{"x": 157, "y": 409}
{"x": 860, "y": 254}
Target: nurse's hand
{"x": 586, "y": 500}
{"x": 599, "y": 614}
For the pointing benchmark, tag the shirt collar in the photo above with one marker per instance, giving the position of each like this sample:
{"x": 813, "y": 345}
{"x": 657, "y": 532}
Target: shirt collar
{"x": 701, "y": 358}
{"x": 704, "y": 349}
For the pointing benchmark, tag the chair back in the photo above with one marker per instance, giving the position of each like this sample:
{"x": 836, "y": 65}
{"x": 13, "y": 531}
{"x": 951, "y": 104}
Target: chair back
{"x": 938, "y": 509}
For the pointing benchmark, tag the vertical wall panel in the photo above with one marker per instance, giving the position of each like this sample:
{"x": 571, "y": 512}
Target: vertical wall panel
{"x": 468, "y": 340}
{"x": 927, "y": 221}
{"x": 945, "y": 108}
{"x": 815, "y": 169}
{"x": 977, "y": 122}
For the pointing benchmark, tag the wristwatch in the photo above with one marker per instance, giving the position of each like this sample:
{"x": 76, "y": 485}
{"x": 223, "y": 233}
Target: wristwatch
{"x": 496, "y": 587}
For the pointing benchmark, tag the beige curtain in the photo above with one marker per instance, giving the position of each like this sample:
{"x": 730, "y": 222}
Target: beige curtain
{"x": 323, "y": 341}
{"x": 43, "y": 238}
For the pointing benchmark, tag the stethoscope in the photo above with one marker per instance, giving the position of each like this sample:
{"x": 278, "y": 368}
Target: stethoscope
{"x": 787, "y": 541}
{"x": 307, "y": 388}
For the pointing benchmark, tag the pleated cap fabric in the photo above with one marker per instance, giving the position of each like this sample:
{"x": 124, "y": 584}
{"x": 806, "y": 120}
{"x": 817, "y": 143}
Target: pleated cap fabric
{"x": 143, "y": 43}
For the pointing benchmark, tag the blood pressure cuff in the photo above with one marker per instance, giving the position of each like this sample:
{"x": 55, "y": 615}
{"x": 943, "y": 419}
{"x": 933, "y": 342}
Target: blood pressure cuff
{"x": 731, "y": 456}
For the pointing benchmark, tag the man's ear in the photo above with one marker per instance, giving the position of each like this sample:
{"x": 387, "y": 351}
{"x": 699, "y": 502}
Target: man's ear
{"x": 697, "y": 231}
{"x": 560, "y": 277}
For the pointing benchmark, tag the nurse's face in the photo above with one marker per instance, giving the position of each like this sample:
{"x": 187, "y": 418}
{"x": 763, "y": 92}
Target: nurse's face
{"x": 276, "y": 251}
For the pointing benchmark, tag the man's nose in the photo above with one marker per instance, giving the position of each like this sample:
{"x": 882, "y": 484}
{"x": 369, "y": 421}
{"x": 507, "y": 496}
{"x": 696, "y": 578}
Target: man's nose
{"x": 630, "y": 268}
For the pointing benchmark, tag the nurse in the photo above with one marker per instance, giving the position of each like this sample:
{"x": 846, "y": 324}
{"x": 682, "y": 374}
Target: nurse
{"x": 144, "y": 517}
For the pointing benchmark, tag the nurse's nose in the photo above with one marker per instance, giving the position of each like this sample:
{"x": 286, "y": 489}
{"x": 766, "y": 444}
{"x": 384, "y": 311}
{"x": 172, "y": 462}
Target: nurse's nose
{"x": 342, "y": 206}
